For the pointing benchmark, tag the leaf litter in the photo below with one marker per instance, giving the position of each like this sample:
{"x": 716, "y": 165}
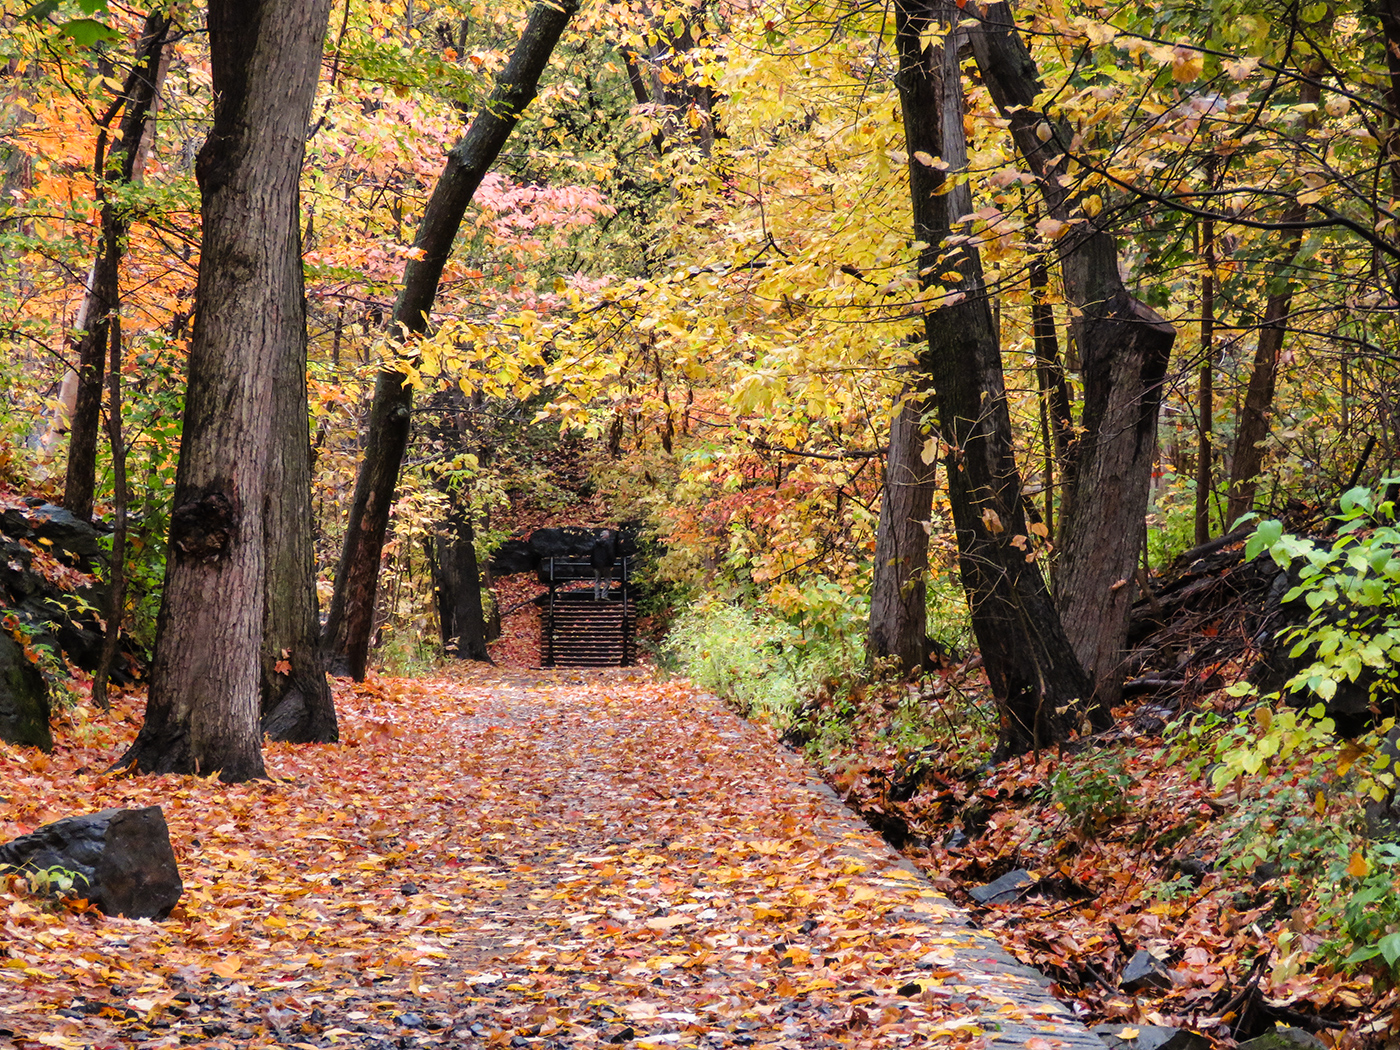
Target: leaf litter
{"x": 499, "y": 858}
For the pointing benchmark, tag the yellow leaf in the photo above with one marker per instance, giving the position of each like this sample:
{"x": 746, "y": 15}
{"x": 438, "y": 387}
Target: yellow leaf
{"x": 1129, "y": 1033}
{"x": 992, "y": 520}
{"x": 1187, "y": 65}
{"x": 1092, "y": 205}
{"x": 1358, "y": 868}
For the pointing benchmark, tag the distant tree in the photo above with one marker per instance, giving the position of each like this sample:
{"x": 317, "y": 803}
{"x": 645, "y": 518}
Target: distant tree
{"x": 202, "y": 715}
{"x": 113, "y": 168}
{"x": 349, "y": 625}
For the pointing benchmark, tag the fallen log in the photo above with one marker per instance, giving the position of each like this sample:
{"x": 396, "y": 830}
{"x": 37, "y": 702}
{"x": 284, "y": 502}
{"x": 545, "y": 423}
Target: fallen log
{"x": 119, "y": 859}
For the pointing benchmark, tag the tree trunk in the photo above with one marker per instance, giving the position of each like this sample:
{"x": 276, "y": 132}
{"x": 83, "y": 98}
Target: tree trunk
{"x": 1248, "y": 457}
{"x": 101, "y": 298}
{"x": 296, "y": 700}
{"x": 1035, "y": 678}
{"x": 1205, "y": 404}
{"x": 1124, "y": 347}
{"x": 116, "y": 579}
{"x": 351, "y": 620}
{"x": 459, "y": 589}
{"x": 202, "y": 715}
{"x": 898, "y": 613}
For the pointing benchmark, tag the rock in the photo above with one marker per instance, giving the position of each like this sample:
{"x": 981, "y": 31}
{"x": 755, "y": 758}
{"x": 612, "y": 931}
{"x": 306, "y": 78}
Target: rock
{"x": 1150, "y": 1037}
{"x": 1003, "y": 890}
{"x": 120, "y": 859}
{"x": 74, "y": 541}
{"x": 513, "y": 556}
{"x": 1145, "y": 970}
{"x": 14, "y": 523}
{"x": 1284, "y": 1038}
{"x": 24, "y": 699}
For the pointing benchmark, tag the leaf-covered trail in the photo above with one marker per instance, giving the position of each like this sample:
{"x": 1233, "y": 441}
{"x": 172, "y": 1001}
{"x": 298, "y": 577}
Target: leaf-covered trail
{"x": 514, "y": 859}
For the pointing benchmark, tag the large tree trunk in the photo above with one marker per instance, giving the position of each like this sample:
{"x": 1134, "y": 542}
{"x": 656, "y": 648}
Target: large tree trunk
{"x": 350, "y": 624}
{"x": 100, "y": 300}
{"x": 1035, "y": 678}
{"x": 202, "y": 715}
{"x": 898, "y": 593}
{"x": 1124, "y": 347}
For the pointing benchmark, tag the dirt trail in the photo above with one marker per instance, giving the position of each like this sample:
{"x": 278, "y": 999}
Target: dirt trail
{"x": 531, "y": 860}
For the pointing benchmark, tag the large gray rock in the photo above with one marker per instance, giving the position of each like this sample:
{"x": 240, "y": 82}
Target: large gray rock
{"x": 1003, "y": 890}
{"x": 24, "y": 698}
{"x": 120, "y": 859}
{"x": 1145, "y": 970}
{"x": 1284, "y": 1038}
{"x": 1150, "y": 1037}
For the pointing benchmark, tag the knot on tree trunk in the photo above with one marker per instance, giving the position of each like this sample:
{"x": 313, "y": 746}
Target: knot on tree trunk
{"x": 204, "y": 528}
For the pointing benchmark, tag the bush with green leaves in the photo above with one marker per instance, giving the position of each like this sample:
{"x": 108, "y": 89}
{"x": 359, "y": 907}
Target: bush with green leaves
{"x": 757, "y": 662}
{"x": 1352, "y": 589}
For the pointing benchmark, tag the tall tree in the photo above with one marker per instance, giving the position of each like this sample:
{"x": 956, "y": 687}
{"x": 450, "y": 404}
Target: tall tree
{"x": 202, "y": 715}
{"x": 1036, "y": 680}
{"x": 351, "y": 619}
{"x": 1124, "y": 348}
{"x": 112, "y": 168}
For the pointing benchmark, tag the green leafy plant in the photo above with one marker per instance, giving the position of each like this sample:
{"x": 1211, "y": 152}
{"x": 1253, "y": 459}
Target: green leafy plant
{"x": 1091, "y": 795}
{"x": 1352, "y": 588}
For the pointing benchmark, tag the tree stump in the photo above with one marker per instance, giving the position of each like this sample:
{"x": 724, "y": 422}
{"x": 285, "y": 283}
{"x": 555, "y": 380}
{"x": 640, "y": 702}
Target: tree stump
{"x": 120, "y": 859}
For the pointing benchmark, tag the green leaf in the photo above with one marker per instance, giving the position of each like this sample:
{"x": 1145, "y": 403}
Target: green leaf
{"x": 1265, "y": 535}
{"x": 86, "y": 31}
{"x": 1390, "y": 948}
{"x": 40, "y": 10}
{"x": 92, "y": 7}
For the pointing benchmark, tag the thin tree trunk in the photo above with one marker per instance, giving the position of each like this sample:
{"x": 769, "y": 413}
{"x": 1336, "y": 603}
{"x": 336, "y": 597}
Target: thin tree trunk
{"x": 1248, "y": 457}
{"x": 116, "y": 580}
{"x": 350, "y": 624}
{"x": 1205, "y": 404}
{"x": 202, "y": 715}
{"x": 1056, "y": 420}
{"x": 101, "y": 298}
{"x": 1035, "y": 678}
{"x": 1124, "y": 349}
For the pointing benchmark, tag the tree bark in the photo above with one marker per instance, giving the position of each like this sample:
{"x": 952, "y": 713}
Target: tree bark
{"x": 1205, "y": 386}
{"x": 898, "y": 594}
{"x": 202, "y": 715}
{"x": 1124, "y": 347}
{"x": 458, "y": 577}
{"x": 350, "y": 623}
{"x": 101, "y": 299}
{"x": 296, "y": 701}
{"x": 116, "y": 580}
{"x": 1035, "y": 678}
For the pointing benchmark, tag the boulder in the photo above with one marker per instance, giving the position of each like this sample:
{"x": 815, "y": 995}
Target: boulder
{"x": 120, "y": 859}
{"x": 1150, "y": 1037}
{"x": 1284, "y": 1038}
{"x": 513, "y": 556}
{"x": 1004, "y": 890}
{"x": 74, "y": 541}
{"x": 1145, "y": 970}
{"x": 24, "y": 698}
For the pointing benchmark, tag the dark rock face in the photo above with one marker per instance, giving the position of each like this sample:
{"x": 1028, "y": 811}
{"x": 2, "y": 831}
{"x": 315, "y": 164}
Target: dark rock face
{"x": 1145, "y": 970}
{"x": 120, "y": 859}
{"x": 525, "y": 555}
{"x": 513, "y": 556}
{"x": 24, "y": 699}
{"x": 50, "y": 616}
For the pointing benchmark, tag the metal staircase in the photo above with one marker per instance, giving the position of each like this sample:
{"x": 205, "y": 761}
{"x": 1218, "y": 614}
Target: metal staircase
{"x": 578, "y": 631}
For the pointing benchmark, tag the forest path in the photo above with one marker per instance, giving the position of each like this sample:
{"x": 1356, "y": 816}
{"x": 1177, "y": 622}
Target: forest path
{"x": 531, "y": 859}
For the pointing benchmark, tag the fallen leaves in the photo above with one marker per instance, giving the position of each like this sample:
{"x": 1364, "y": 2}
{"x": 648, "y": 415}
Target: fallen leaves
{"x": 500, "y": 858}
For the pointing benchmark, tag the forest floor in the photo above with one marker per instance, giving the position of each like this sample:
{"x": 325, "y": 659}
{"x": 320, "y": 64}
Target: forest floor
{"x": 504, "y": 858}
